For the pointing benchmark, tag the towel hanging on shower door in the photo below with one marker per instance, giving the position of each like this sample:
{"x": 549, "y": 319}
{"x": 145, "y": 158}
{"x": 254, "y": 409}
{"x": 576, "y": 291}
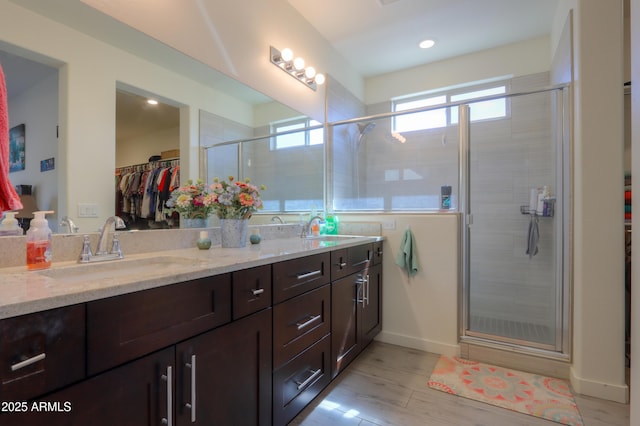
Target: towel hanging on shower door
{"x": 533, "y": 236}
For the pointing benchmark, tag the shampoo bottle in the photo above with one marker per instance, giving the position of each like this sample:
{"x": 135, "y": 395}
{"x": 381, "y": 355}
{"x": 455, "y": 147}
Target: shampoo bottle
{"x": 9, "y": 225}
{"x": 39, "y": 242}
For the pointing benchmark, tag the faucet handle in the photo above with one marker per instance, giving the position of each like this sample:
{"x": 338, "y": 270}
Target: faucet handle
{"x": 86, "y": 254}
{"x": 115, "y": 248}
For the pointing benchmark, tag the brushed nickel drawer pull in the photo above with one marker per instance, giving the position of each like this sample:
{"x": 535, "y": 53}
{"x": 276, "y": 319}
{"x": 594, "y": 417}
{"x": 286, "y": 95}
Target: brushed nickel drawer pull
{"x": 192, "y": 405}
{"x": 309, "y": 274}
{"x": 341, "y": 264}
{"x": 27, "y": 362}
{"x": 311, "y": 320}
{"x": 311, "y": 378}
{"x": 257, "y": 291}
{"x": 168, "y": 378}
{"x": 361, "y": 262}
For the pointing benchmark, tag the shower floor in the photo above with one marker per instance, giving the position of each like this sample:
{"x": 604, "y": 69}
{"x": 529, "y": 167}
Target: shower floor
{"x": 513, "y": 329}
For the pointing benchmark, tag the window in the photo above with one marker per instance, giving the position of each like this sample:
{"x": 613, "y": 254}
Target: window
{"x": 299, "y": 138}
{"x": 439, "y": 118}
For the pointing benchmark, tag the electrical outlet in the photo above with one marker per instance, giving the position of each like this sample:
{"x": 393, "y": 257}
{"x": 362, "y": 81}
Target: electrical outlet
{"x": 87, "y": 210}
{"x": 389, "y": 224}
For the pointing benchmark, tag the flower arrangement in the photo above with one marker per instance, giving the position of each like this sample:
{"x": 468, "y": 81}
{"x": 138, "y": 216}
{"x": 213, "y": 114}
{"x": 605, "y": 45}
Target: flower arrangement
{"x": 191, "y": 201}
{"x": 235, "y": 199}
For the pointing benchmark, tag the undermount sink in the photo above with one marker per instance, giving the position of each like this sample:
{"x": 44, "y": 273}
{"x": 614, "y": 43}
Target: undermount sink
{"x": 133, "y": 268}
{"x": 333, "y": 237}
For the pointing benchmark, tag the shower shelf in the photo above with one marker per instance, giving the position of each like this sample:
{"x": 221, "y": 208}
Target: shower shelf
{"x": 548, "y": 213}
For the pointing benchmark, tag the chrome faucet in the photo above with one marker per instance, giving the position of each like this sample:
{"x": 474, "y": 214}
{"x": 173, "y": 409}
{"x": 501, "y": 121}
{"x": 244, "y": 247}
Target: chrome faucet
{"x": 66, "y": 221}
{"x": 277, "y": 219}
{"x": 101, "y": 253}
{"x": 306, "y": 228}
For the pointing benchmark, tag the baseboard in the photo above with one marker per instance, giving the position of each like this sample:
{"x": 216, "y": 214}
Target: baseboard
{"x": 608, "y": 391}
{"x": 420, "y": 344}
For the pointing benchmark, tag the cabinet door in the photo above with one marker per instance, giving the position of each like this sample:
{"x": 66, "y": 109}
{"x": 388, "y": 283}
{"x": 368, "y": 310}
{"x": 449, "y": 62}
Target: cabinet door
{"x": 371, "y": 306}
{"x": 138, "y": 393}
{"x": 345, "y": 294}
{"x": 41, "y": 352}
{"x": 224, "y": 376}
{"x": 122, "y": 328}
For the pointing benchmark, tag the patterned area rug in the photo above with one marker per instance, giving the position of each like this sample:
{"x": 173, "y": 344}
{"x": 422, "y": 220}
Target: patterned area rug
{"x": 538, "y": 396}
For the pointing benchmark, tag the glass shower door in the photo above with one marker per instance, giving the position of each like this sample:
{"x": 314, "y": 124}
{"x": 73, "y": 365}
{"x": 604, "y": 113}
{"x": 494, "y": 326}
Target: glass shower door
{"x": 513, "y": 223}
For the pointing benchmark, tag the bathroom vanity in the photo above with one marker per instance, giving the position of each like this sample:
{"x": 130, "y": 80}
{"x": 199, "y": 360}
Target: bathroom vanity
{"x": 229, "y": 336}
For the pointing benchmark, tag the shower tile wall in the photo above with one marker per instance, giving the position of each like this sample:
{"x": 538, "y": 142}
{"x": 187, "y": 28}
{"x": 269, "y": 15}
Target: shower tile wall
{"x": 509, "y": 157}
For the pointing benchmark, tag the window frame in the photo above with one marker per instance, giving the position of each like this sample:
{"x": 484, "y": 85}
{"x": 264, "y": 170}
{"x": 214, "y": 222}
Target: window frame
{"x": 305, "y": 123}
{"x": 448, "y": 94}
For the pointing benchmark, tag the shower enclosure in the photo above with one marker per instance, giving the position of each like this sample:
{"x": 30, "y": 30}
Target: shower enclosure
{"x": 515, "y": 284}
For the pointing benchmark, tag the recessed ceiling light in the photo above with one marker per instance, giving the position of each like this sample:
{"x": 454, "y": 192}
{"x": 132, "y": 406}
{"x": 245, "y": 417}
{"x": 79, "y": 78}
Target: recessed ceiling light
{"x": 426, "y": 44}
{"x": 152, "y": 102}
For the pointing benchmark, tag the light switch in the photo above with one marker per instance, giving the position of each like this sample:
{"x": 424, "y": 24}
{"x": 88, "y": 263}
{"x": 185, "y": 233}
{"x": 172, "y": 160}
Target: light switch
{"x": 87, "y": 210}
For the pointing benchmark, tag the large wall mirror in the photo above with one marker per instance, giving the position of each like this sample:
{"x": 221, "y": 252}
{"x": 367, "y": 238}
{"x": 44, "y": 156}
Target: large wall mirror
{"x": 142, "y": 132}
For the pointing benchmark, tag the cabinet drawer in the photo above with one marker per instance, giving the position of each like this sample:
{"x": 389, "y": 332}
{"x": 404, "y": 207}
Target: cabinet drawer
{"x": 124, "y": 327}
{"x": 349, "y": 260}
{"x": 40, "y": 352}
{"x": 251, "y": 290}
{"x": 297, "y": 276}
{"x": 299, "y": 381}
{"x": 299, "y": 323}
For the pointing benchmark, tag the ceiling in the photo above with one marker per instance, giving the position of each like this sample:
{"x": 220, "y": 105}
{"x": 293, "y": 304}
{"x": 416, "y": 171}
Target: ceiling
{"x": 381, "y": 36}
{"x": 376, "y": 37}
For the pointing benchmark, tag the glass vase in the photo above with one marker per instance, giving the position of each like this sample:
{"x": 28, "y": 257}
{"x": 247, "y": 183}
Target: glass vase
{"x": 233, "y": 232}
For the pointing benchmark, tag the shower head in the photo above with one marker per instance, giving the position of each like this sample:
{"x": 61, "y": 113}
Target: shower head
{"x": 365, "y": 128}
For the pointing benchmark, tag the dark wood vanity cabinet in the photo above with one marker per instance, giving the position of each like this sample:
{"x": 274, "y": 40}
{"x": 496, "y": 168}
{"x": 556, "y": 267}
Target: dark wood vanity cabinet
{"x": 301, "y": 328}
{"x": 356, "y": 310}
{"x": 250, "y": 347}
{"x": 41, "y": 352}
{"x": 224, "y": 376}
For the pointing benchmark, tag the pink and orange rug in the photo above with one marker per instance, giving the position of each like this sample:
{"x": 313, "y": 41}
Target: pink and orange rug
{"x": 538, "y": 396}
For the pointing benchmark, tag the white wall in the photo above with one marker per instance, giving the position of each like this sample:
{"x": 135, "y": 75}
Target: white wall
{"x": 138, "y": 150}
{"x": 37, "y": 109}
{"x": 598, "y": 266}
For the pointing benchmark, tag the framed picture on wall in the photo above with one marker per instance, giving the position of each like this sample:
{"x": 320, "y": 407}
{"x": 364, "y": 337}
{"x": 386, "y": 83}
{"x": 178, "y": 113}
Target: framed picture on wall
{"x": 16, "y": 148}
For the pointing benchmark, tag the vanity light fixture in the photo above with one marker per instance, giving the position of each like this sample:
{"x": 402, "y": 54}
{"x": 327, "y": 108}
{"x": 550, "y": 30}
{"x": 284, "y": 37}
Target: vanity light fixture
{"x": 296, "y": 67}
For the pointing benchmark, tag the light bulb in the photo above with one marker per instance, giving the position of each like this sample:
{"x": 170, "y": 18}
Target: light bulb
{"x": 152, "y": 102}
{"x": 298, "y": 63}
{"x": 286, "y": 54}
{"x": 310, "y": 72}
{"x": 319, "y": 79}
{"x": 426, "y": 44}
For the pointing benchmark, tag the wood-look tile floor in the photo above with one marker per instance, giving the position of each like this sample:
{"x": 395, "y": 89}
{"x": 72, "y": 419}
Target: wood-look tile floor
{"x": 387, "y": 385}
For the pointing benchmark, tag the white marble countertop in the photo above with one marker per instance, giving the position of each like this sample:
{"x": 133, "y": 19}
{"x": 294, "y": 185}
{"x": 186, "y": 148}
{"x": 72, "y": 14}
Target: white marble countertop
{"x": 67, "y": 283}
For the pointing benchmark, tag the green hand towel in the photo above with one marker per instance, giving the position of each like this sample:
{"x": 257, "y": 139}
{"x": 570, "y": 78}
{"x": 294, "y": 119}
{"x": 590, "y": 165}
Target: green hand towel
{"x": 407, "y": 257}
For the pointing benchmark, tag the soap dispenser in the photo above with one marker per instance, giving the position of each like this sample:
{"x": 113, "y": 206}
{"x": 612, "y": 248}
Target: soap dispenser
{"x": 9, "y": 225}
{"x": 39, "y": 242}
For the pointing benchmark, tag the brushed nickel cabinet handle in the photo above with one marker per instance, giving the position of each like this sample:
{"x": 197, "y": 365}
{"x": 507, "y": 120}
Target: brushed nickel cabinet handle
{"x": 309, "y": 379}
{"x": 341, "y": 264}
{"x": 169, "y": 379}
{"x": 27, "y": 362}
{"x": 309, "y": 274}
{"x": 192, "y": 405}
{"x": 308, "y": 322}
{"x": 257, "y": 291}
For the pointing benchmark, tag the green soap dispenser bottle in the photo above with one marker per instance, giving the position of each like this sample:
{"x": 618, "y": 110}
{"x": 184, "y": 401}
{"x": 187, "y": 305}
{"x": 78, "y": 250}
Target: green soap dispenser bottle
{"x": 331, "y": 224}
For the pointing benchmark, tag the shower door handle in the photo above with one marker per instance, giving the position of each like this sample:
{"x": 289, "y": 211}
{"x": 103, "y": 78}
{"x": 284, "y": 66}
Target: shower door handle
{"x": 469, "y": 219}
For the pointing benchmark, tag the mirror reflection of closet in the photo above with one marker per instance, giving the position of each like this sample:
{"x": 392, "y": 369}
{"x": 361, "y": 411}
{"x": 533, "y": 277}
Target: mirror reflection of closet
{"x": 147, "y": 140}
